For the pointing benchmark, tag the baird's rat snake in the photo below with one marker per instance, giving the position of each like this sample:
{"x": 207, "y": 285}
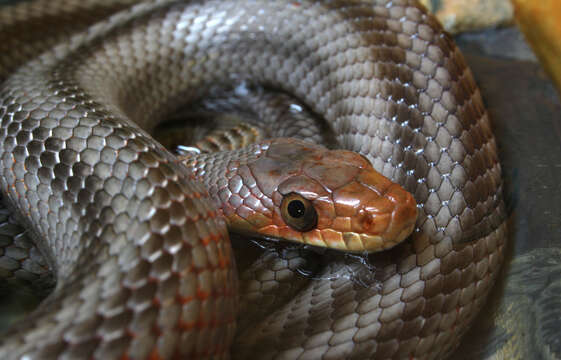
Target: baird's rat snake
{"x": 143, "y": 266}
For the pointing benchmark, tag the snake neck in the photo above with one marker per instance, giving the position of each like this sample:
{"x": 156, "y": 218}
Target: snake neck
{"x": 229, "y": 179}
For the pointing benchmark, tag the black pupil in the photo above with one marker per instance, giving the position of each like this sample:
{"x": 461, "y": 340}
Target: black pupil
{"x": 296, "y": 208}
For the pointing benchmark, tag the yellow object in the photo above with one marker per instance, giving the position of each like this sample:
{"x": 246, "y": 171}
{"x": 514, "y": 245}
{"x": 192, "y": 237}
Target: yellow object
{"x": 427, "y": 4}
{"x": 457, "y": 16}
{"x": 540, "y": 21}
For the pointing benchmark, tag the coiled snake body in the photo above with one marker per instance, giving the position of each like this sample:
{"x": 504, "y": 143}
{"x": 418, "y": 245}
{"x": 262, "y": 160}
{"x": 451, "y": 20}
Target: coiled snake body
{"x": 143, "y": 264}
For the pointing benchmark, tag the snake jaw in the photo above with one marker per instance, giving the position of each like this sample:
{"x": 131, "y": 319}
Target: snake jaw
{"x": 358, "y": 209}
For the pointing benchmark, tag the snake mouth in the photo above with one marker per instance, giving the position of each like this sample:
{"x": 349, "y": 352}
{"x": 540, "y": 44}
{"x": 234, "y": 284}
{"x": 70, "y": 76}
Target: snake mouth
{"x": 347, "y": 241}
{"x": 373, "y": 243}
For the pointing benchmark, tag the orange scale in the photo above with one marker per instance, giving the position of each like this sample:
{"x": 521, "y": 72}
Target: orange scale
{"x": 325, "y": 210}
{"x": 223, "y": 261}
{"x": 375, "y": 225}
{"x": 259, "y": 220}
{"x": 270, "y": 230}
{"x": 186, "y": 325}
{"x": 398, "y": 195}
{"x": 217, "y": 238}
{"x": 239, "y": 224}
{"x": 381, "y": 205}
{"x": 286, "y": 232}
{"x": 184, "y": 299}
{"x": 341, "y": 223}
{"x": 375, "y": 181}
{"x": 304, "y": 185}
{"x": 206, "y": 240}
{"x": 202, "y": 294}
{"x": 314, "y": 237}
{"x": 211, "y": 214}
{"x": 351, "y": 197}
{"x": 353, "y": 242}
{"x": 155, "y": 355}
{"x": 333, "y": 239}
{"x": 375, "y": 243}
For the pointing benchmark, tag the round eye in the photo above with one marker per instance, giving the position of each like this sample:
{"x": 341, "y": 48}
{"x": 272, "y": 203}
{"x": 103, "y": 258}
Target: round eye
{"x": 298, "y": 212}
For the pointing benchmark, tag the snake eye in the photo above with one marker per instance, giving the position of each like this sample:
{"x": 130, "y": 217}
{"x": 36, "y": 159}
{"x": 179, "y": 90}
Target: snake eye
{"x": 298, "y": 212}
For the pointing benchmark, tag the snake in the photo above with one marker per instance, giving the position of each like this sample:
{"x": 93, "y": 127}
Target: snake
{"x": 141, "y": 254}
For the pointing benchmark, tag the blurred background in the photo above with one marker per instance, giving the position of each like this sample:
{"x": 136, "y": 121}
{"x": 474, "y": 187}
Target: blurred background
{"x": 538, "y": 20}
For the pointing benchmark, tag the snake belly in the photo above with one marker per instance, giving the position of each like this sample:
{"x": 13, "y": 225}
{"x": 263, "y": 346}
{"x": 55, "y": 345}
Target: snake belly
{"x": 144, "y": 268}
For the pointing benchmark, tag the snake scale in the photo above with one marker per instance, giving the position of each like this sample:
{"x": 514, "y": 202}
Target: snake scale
{"x": 143, "y": 263}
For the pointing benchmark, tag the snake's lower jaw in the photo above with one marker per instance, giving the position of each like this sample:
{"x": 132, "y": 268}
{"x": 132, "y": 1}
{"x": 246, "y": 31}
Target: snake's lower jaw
{"x": 364, "y": 243}
{"x": 361, "y": 243}
{"x": 342, "y": 241}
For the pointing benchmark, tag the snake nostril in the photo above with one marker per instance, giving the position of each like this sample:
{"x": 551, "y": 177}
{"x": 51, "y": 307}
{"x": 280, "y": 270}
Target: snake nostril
{"x": 375, "y": 223}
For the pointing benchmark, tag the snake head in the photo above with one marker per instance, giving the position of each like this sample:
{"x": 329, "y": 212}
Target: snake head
{"x": 308, "y": 194}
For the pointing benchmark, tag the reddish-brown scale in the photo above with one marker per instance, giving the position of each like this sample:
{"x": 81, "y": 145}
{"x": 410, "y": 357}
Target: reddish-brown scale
{"x": 202, "y": 295}
{"x": 155, "y": 355}
{"x": 184, "y": 299}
